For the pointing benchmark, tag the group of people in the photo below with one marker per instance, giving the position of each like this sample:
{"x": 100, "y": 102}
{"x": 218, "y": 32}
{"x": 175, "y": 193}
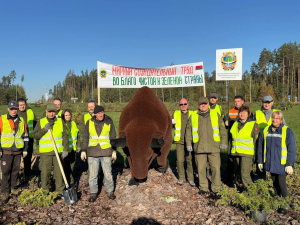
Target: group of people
{"x": 262, "y": 138}
{"x": 19, "y": 127}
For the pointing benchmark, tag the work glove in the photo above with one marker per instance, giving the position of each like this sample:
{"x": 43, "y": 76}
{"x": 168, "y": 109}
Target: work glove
{"x": 260, "y": 166}
{"x": 24, "y": 154}
{"x": 47, "y": 127}
{"x": 64, "y": 154}
{"x": 226, "y": 123}
{"x": 189, "y": 148}
{"x": 114, "y": 156}
{"x": 83, "y": 156}
{"x": 173, "y": 121}
{"x": 289, "y": 170}
{"x": 223, "y": 146}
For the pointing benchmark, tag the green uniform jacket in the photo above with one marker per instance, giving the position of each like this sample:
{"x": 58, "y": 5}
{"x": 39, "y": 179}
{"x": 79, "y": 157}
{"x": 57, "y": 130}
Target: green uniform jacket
{"x": 254, "y": 135}
{"x": 206, "y": 143}
{"x": 97, "y": 151}
{"x": 38, "y": 133}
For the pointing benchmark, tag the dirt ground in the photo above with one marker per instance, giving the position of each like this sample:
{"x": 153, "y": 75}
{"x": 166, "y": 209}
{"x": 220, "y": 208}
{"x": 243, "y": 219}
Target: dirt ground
{"x": 157, "y": 201}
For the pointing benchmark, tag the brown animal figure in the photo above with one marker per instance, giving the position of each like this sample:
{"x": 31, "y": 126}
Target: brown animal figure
{"x": 145, "y": 132}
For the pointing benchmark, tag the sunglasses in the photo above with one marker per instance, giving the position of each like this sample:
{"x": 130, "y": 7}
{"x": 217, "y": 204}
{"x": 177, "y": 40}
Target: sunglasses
{"x": 183, "y": 104}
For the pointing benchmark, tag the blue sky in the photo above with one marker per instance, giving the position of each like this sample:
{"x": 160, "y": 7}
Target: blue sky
{"x": 45, "y": 39}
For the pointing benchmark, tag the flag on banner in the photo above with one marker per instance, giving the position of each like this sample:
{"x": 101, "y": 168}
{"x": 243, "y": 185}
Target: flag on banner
{"x": 199, "y": 67}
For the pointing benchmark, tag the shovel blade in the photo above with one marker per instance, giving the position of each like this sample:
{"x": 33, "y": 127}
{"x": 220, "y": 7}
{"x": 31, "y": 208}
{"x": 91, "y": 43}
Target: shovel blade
{"x": 70, "y": 196}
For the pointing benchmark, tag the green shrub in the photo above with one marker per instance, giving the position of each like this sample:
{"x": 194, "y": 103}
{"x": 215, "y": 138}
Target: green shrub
{"x": 38, "y": 198}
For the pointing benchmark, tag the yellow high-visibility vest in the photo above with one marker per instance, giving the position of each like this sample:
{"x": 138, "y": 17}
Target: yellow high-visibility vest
{"x": 242, "y": 142}
{"x": 8, "y": 138}
{"x": 214, "y": 116}
{"x": 45, "y": 144}
{"x": 283, "y": 144}
{"x": 218, "y": 109}
{"x": 72, "y": 136}
{"x": 261, "y": 119}
{"x": 30, "y": 119}
{"x": 103, "y": 139}
{"x": 87, "y": 117}
{"x": 177, "y": 117}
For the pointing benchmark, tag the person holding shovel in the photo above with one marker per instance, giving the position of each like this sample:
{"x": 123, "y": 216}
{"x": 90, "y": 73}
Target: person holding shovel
{"x": 96, "y": 146}
{"x": 46, "y": 149}
{"x": 74, "y": 144}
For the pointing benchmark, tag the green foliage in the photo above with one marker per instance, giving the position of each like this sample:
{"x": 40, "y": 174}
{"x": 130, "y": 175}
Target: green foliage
{"x": 168, "y": 199}
{"x": 293, "y": 184}
{"x": 38, "y": 198}
{"x": 257, "y": 196}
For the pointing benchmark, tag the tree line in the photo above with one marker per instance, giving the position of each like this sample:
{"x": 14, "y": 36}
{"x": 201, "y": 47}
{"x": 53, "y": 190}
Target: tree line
{"x": 276, "y": 73}
{"x": 10, "y": 91}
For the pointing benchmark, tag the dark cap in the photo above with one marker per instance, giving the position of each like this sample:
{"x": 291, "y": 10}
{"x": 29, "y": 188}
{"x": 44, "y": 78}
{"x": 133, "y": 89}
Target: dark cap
{"x": 98, "y": 108}
{"x": 202, "y": 100}
{"x": 51, "y": 107}
{"x": 13, "y": 105}
{"x": 267, "y": 98}
{"x": 213, "y": 95}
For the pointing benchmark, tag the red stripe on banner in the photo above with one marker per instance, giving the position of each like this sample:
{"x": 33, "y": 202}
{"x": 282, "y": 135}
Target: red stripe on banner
{"x": 199, "y": 67}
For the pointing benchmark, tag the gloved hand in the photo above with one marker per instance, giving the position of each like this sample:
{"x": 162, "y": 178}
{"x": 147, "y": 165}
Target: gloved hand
{"x": 189, "y": 148}
{"x": 24, "y": 154}
{"x": 289, "y": 170}
{"x": 83, "y": 156}
{"x": 47, "y": 127}
{"x": 223, "y": 146}
{"x": 114, "y": 156}
{"x": 173, "y": 121}
{"x": 226, "y": 123}
{"x": 64, "y": 154}
{"x": 260, "y": 166}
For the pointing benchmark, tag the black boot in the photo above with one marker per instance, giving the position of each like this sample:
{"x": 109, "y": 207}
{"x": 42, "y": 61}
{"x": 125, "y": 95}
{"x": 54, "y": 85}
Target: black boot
{"x": 93, "y": 197}
{"x": 5, "y": 199}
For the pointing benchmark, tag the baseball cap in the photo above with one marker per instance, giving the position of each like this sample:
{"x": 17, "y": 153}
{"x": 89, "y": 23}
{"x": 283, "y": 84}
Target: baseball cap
{"x": 267, "y": 98}
{"x": 51, "y": 107}
{"x": 98, "y": 108}
{"x": 202, "y": 100}
{"x": 13, "y": 105}
{"x": 213, "y": 95}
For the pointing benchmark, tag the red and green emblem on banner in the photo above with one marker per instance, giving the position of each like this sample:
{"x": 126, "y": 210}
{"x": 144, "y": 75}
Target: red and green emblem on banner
{"x": 199, "y": 67}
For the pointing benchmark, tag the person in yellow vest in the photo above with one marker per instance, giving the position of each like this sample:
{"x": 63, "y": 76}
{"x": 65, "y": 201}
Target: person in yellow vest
{"x": 213, "y": 98}
{"x": 47, "y": 155}
{"x": 97, "y": 148}
{"x": 74, "y": 145}
{"x": 263, "y": 116}
{"x": 30, "y": 120}
{"x": 206, "y": 134}
{"x": 87, "y": 116}
{"x": 243, "y": 136}
{"x": 180, "y": 118}
{"x": 277, "y": 153}
{"x": 14, "y": 143}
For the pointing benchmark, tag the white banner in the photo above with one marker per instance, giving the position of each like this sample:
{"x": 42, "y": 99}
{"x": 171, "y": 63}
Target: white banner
{"x": 185, "y": 75}
{"x": 229, "y": 64}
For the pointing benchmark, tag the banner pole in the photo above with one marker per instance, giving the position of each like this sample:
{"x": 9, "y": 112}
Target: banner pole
{"x": 98, "y": 96}
{"x": 204, "y": 91}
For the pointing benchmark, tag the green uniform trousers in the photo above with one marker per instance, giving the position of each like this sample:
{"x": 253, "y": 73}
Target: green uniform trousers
{"x": 46, "y": 163}
{"x": 68, "y": 164}
{"x": 215, "y": 164}
{"x": 245, "y": 167}
{"x": 181, "y": 155}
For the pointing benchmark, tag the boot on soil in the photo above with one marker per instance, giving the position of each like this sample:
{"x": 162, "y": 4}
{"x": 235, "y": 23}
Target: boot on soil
{"x": 5, "y": 199}
{"x": 93, "y": 197}
{"x": 111, "y": 195}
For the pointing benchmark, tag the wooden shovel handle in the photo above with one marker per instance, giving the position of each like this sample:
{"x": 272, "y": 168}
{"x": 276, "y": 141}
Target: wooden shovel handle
{"x": 58, "y": 159}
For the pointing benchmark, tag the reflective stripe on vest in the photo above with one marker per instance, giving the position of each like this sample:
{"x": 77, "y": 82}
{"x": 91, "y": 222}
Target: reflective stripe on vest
{"x": 8, "y": 138}
{"x": 177, "y": 117}
{"x": 218, "y": 109}
{"x": 283, "y": 143}
{"x": 261, "y": 119}
{"x": 87, "y": 117}
{"x": 233, "y": 113}
{"x": 30, "y": 119}
{"x": 214, "y": 117}
{"x": 45, "y": 144}
{"x": 72, "y": 136}
{"x": 242, "y": 142}
{"x": 103, "y": 139}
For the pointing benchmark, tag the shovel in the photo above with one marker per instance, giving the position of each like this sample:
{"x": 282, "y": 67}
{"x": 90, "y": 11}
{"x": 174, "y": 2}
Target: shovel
{"x": 70, "y": 195}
